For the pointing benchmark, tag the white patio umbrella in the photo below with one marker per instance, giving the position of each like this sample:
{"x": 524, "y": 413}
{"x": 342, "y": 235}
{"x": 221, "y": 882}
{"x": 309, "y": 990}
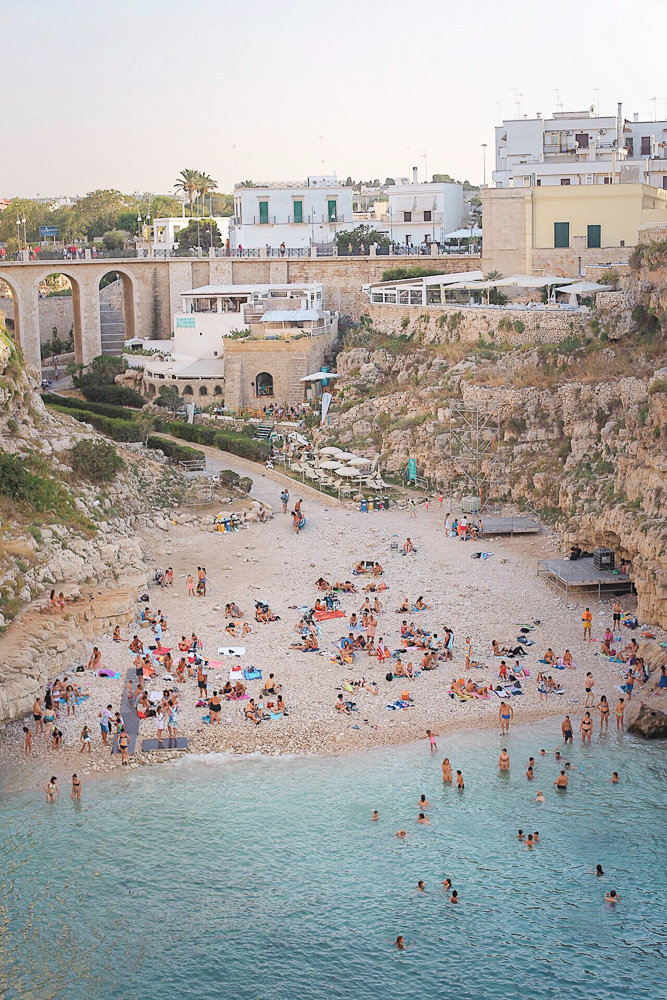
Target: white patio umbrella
{"x": 347, "y": 471}
{"x": 331, "y": 465}
{"x": 345, "y": 456}
{"x": 331, "y": 451}
{"x": 360, "y": 461}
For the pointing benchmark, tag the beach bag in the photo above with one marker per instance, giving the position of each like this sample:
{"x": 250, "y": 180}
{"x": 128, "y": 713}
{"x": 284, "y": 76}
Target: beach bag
{"x": 389, "y": 676}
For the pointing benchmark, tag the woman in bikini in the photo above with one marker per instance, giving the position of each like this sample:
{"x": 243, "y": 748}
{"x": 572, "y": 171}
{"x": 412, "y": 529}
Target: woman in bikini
{"x": 446, "y": 771}
{"x": 603, "y": 708}
{"x": 51, "y": 789}
{"x": 586, "y": 727}
{"x": 377, "y": 606}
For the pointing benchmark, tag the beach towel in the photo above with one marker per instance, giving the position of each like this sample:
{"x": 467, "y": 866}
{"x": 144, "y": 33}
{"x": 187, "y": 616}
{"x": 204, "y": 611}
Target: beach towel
{"x": 106, "y": 672}
{"x": 231, "y": 650}
{"x": 399, "y": 704}
{"x": 253, "y": 674}
{"x": 323, "y": 616}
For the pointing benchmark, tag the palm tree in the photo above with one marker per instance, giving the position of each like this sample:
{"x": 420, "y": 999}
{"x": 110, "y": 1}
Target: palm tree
{"x": 187, "y": 183}
{"x": 205, "y": 184}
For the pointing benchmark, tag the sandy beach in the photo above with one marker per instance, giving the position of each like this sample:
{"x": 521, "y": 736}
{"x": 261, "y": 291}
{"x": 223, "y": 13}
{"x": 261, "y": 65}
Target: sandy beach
{"x": 485, "y": 599}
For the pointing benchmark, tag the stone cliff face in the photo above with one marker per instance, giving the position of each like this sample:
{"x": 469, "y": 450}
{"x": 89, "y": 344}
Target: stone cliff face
{"x": 85, "y": 545}
{"x": 583, "y": 424}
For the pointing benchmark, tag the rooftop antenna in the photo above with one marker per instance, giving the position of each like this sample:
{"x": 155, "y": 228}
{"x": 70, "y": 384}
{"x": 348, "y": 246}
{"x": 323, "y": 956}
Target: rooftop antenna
{"x": 517, "y": 102}
{"x": 409, "y": 149}
{"x": 321, "y": 138}
{"x": 559, "y": 103}
{"x": 596, "y": 91}
{"x": 422, "y": 153}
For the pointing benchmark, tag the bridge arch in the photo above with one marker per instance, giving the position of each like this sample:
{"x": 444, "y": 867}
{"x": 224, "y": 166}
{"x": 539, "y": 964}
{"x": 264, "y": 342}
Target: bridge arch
{"x": 115, "y": 329}
{"x": 77, "y": 311}
{"x": 15, "y": 329}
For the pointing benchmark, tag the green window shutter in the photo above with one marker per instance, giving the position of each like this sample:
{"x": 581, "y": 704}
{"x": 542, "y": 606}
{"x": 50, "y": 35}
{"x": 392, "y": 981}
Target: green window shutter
{"x": 331, "y": 210}
{"x": 561, "y": 234}
{"x": 298, "y": 211}
{"x": 263, "y": 211}
{"x": 594, "y": 236}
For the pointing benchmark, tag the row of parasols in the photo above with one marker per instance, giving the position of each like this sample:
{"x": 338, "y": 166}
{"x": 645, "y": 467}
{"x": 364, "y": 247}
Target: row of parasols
{"x": 343, "y": 463}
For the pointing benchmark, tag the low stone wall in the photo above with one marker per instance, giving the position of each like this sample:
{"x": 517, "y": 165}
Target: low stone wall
{"x": 440, "y": 324}
{"x": 192, "y": 389}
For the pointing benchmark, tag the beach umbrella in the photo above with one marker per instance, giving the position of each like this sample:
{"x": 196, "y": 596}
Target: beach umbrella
{"x": 330, "y": 451}
{"x": 345, "y": 456}
{"x": 360, "y": 461}
{"x": 331, "y": 465}
{"x": 347, "y": 472}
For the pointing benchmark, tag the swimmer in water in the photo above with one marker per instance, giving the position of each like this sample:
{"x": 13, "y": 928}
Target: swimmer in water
{"x": 504, "y": 760}
{"x": 455, "y": 896}
{"x": 401, "y": 835}
{"x": 561, "y": 781}
{"x": 529, "y": 774}
{"x": 536, "y": 836}
{"x": 519, "y": 835}
{"x": 423, "y": 802}
{"x": 598, "y": 870}
{"x": 446, "y": 770}
{"x": 612, "y": 897}
{"x": 400, "y": 943}
{"x": 447, "y": 883}
{"x": 423, "y": 818}
{"x": 530, "y": 843}
{"x": 76, "y": 787}
{"x": 420, "y": 886}
{"x": 375, "y": 817}
{"x": 459, "y": 781}
{"x": 614, "y": 778}
{"x": 541, "y": 797}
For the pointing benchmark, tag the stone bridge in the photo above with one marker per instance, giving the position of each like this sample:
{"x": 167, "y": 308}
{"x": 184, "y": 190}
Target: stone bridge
{"x": 152, "y": 288}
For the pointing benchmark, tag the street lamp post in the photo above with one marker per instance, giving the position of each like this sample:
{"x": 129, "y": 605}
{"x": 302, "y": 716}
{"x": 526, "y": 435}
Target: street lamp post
{"x": 484, "y": 163}
{"x": 18, "y": 232}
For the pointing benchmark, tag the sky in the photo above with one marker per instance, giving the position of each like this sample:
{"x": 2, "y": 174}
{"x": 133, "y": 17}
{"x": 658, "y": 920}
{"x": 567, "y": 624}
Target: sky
{"x": 125, "y": 93}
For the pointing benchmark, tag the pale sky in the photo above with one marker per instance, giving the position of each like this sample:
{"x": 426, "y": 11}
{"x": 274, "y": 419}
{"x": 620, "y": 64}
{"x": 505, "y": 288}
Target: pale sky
{"x": 125, "y": 93}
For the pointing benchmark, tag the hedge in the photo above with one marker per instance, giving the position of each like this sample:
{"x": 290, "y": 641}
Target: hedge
{"x": 118, "y": 430}
{"x": 177, "y": 452}
{"x": 104, "y": 409}
{"x": 238, "y": 444}
{"x": 121, "y": 395}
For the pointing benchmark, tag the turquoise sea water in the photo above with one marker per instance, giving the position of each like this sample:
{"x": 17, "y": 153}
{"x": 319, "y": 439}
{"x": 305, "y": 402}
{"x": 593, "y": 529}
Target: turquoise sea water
{"x": 264, "y": 878}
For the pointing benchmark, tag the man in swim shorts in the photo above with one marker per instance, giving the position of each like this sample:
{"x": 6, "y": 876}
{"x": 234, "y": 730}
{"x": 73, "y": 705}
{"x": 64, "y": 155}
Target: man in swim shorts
{"x": 587, "y": 619}
{"x": 561, "y": 781}
{"x": 505, "y": 713}
{"x": 566, "y": 729}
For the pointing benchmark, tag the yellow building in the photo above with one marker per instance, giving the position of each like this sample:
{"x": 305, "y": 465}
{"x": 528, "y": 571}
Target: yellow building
{"x": 560, "y": 229}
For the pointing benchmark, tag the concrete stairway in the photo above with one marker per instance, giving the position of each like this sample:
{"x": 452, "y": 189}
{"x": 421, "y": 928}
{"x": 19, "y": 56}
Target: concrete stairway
{"x": 112, "y": 327}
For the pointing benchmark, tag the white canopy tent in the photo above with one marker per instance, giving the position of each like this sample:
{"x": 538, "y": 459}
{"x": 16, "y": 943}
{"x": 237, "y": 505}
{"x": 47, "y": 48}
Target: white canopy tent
{"x": 318, "y": 376}
{"x": 464, "y": 234}
{"x": 583, "y": 288}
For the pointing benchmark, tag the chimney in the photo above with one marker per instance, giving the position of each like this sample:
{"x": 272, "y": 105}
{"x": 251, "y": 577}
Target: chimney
{"x": 415, "y": 177}
{"x": 635, "y": 116}
{"x": 619, "y": 124}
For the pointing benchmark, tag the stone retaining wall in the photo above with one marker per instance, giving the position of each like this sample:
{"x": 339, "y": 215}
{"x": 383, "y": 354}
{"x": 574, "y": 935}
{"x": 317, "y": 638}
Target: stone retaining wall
{"x": 439, "y": 324}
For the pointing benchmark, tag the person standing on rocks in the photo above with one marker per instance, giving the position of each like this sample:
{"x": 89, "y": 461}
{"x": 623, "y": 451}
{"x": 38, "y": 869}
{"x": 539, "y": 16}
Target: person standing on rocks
{"x": 590, "y": 697}
{"x": 617, "y": 611}
{"x": 105, "y": 723}
{"x": 620, "y": 709}
{"x": 190, "y": 585}
{"x": 505, "y": 713}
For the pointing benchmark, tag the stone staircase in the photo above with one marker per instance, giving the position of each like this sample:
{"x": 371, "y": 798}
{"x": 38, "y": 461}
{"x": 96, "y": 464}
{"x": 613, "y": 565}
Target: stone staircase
{"x": 112, "y": 327}
{"x": 264, "y": 431}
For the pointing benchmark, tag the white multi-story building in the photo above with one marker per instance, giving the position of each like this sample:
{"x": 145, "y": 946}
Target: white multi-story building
{"x": 212, "y": 316}
{"x": 296, "y": 215}
{"x": 580, "y": 148}
{"x": 421, "y": 213}
{"x": 165, "y": 231}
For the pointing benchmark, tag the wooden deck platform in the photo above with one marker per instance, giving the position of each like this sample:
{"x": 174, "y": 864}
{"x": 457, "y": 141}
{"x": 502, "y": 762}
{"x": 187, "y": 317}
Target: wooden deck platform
{"x": 130, "y": 717}
{"x": 510, "y": 526}
{"x": 581, "y": 574}
{"x": 168, "y": 743}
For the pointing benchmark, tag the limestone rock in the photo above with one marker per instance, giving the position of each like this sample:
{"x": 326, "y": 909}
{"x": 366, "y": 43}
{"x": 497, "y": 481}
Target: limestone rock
{"x": 649, "y": 723}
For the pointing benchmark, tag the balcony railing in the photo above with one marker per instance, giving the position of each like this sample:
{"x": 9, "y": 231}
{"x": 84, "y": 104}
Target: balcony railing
{"x": 290, "y": 220}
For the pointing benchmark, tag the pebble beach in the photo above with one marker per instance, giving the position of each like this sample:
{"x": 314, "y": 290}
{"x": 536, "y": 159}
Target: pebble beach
{"x": 485, "y": 599}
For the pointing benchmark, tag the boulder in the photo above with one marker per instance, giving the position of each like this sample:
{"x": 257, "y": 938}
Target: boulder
{"x": 649, "y": 723}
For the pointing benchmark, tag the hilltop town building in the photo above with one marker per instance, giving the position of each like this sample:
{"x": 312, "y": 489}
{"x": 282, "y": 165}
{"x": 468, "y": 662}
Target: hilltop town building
{"x": 250, "y": 343}
{"x": 577, "y": 148}
{"x": 560, "y": 229}
{"x": 296, "y": 215}
{"x": 421, "y": 213}
{"x": 166, "y": 230}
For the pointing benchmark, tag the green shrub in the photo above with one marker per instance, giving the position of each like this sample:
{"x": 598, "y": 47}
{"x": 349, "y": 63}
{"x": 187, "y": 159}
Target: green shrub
{"x": 41, "y": 493}
{"x": 176, "y": 452}
{"x": 660, "y": 385}
{"x": 118, "y": 430}
{"x": 104, "y": 409}
{"x": 121, "y": 395}
{"x": 97, "y": 461}
{"x": 233, "y": 441}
